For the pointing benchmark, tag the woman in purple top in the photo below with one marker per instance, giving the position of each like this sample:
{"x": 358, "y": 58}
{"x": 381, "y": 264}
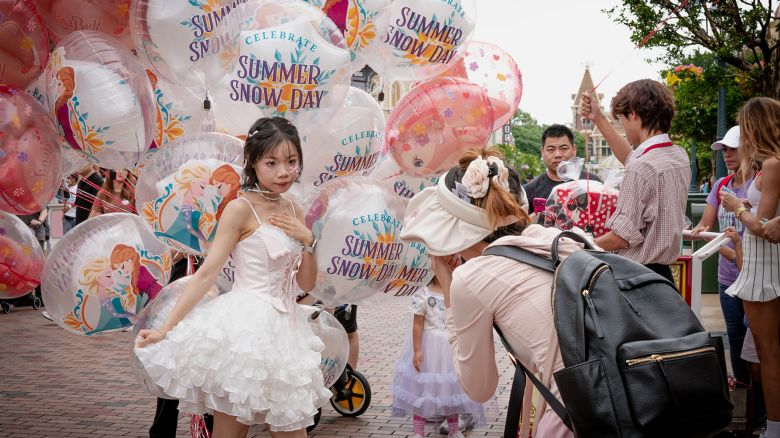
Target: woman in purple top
{"x": 733, "y": 312}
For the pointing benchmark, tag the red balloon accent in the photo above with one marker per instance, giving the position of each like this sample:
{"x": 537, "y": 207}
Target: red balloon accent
{"x": 21, "y": 258}
{"x": 24, "y": 43}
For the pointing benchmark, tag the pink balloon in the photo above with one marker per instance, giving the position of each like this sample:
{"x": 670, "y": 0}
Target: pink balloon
{"x": 21, "y": 258}
{"x": 435, "y": 122}
{"x": 24, "y": 43}
{"x": 30, "y": 154}
{"x": 66, "y": 16}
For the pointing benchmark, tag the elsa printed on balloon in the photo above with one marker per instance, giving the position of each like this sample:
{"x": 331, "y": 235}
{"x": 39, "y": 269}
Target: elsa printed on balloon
{"x": 120, "y": 284}
{"x": 203, "y": 195}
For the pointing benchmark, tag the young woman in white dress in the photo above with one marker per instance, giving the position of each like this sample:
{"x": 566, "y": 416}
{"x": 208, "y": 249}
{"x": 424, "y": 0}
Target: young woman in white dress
{"x": 249, "y": 355}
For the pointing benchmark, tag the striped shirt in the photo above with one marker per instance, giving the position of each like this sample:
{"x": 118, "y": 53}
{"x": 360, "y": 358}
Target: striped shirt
{"x": 650, "y": 212}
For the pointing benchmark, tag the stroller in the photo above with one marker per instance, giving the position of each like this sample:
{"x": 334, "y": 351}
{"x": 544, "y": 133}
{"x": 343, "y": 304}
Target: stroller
{"x": 31, "y": 299}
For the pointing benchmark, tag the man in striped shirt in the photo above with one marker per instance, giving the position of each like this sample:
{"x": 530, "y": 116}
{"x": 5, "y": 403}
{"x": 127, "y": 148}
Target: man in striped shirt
{"x": 648, "y": 222}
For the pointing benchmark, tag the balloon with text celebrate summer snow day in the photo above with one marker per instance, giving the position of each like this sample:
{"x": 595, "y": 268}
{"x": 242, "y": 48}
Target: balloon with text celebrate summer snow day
{"x": 415, "y": 271}
{"x": 102, "y": 273}
{"x": 184, "y": 187}
{"x": 64, "y": 17}
{"x": 435, "y": 123}
{"x": 188, "y": 42}
{"x": 421, "y": 38}
{"x": 404, "y": 185}
{"x": 350, "y": 144}
{"x": 153, "y": 317}
{"x": 332, "y": 334}
{"x": 357, "y": 222}
{"x": 292, "y": 63}
{"x": 178, "y": 111}
{"x": 492, "y": 67}
{"x": 30, "y": 154}
{"x": 21, "y": 258}
{"x": 99, "y": 95}
{"x": 24, "y": 43}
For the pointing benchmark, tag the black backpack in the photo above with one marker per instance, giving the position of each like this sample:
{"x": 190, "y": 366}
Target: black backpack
{"x": 638, "y": 363}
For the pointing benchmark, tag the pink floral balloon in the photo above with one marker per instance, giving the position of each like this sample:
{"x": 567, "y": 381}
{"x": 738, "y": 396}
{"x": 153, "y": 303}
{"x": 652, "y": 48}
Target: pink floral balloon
{"x": 30, "y": 154}
{"x": 21, "y": 258}
{"x": 24, "y": 43}
{"x": 66, "y": 16}
{"x": 492, "y": 67}
{"x": 433, "y": 124}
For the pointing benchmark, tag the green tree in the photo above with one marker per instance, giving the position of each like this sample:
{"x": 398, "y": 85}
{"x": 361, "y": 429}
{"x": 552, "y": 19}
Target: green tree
{"x": 744, "y": 34}
{"x": 523, "y": 162}
{"x": 527, "y": 133}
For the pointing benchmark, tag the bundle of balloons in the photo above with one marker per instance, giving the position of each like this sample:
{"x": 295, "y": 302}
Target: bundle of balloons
{"x": 166, "y": 89}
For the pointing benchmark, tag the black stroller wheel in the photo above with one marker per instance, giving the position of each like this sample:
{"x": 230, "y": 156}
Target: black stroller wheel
{"x": 36, "y": 304}
{"x": 354, "y": 397}
{"x": 6, "y": 307}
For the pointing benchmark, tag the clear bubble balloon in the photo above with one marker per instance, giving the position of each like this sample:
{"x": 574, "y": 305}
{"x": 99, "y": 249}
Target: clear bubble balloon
{"x": 179, "y": 110}
{"x": 490, "y": 66}
{"x": 64, "y": 17}
{"x": 291, "y": 63}
{"x": 435, "y": 123}
{"x": 415, "y": 272}
{"x": 24, "y": 43}
{"x": 389, "y": 174}
{"x": 418, "y": 39}
{"x": 188, "y": 41}
{"x": 21, "y": 258}
{"x": 584, "y": 204}
{"x": 98, "y": 93}
{"x": 185, "y": 186}
{"x": 30, "y": 154}
{"x": 332, "y": 334}
{"x": 153, "y": 317}
{"x": 102, "y": 273}
{"x": 350, "y": 144}
{"x": 357, "y": 222}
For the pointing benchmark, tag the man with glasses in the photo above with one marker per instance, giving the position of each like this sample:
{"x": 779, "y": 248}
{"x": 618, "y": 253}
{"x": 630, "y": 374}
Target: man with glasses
{"x": 557, "y": 146}
{"x": 647, "y": 224}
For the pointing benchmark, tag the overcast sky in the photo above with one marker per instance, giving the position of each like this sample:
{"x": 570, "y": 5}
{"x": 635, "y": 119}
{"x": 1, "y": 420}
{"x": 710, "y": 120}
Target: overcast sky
{"x": 552, "y": 40}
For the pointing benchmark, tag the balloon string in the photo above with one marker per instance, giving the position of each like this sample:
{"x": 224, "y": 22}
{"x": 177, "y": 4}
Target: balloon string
{"x": 101, "y": 190}
{"x": 17, "y": 274}
{"x": 82, "y": 194}
{"x": 661, "y": 24}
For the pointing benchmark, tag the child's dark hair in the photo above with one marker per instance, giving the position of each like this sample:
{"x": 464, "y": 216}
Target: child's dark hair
{"x": 263, "y": 138}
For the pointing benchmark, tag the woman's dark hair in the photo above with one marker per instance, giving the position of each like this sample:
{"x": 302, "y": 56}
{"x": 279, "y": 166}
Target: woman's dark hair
{"x": 265, "y": 135}
{"x": 497, "y": 202}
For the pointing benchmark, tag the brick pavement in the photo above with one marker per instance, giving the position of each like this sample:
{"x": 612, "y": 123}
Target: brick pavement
{"x": 55, "y": 384}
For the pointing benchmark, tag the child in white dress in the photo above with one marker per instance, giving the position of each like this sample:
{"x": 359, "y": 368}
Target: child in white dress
{"x": 425, "y": 384}
{"x": 248, "y": 355}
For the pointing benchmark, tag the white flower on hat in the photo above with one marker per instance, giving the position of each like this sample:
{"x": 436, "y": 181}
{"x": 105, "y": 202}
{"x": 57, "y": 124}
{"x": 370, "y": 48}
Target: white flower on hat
{"x": 476, "y": 178}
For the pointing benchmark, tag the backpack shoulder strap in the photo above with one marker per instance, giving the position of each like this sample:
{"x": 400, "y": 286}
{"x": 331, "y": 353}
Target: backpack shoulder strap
{"x": 521, "y": 255}
{"x": 518, "y": 389}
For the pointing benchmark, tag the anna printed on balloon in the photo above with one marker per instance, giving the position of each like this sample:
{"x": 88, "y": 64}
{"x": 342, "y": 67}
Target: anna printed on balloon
{"x": 74, "y": 126}
{"x": 185, "y": 216}
{"x": 116, "y": 288}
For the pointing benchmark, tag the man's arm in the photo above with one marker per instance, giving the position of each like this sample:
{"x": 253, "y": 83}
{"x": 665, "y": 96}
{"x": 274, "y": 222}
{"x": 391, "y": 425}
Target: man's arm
{"x": 589, "y": 108}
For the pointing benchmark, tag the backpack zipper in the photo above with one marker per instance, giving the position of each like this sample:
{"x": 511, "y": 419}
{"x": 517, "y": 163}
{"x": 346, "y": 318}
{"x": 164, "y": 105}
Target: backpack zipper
{"x": 661, "y": 357}
{"x": 589, "y": 300}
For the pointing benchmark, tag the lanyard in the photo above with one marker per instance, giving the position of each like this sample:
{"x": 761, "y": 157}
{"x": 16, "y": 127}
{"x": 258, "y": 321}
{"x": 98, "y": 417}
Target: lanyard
{"x": 657, "y": 146}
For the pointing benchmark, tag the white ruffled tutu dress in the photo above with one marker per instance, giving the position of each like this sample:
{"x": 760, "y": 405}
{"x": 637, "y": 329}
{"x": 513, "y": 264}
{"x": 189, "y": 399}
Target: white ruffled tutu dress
{"x": 248, "y": 353}
{"x": 433, "y": 392}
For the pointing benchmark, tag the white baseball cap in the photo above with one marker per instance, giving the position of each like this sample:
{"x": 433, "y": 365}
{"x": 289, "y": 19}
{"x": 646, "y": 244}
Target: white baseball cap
{"x": 731, "y": 139}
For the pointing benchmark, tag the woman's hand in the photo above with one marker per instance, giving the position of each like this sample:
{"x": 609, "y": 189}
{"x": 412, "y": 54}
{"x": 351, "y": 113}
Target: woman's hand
{"x": 699, "y": 229}
{"x": 730, "y": 202}
{"x": 417, "y": 360}
{"x": 772, "y": 230}
{"x": 147, "y": 337}
{"x": 732, "y": 234}
{"x": 293, "y": 227}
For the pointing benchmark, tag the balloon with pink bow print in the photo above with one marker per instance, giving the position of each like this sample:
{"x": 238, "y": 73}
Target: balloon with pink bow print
{"x": 102, "y": 273}
{"x": 99, "y": 95}
{"x": 24, "y": 43}
{"x": 30, "y": 154}
{"x": 184, "y": 187}
{"x": 435, "y": 122}
{"x": 21, "y": 258}
{"x": 418, "y": 39}
{"x": 490, "y": 66}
